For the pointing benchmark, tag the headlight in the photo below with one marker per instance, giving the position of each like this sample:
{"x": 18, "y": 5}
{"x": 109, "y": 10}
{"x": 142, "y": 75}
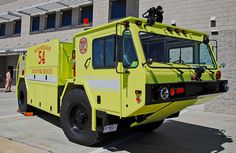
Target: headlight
{"x": 164, "y": 93}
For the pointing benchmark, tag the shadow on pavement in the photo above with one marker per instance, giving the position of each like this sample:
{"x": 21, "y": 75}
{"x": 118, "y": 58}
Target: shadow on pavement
{"x": 171, "y": 137}
{"x": 48, "y": 117}
{"x": 176, "y": 137}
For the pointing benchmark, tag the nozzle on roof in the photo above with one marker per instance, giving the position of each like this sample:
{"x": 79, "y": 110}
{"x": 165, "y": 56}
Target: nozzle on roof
{"x": 154, "y": 14}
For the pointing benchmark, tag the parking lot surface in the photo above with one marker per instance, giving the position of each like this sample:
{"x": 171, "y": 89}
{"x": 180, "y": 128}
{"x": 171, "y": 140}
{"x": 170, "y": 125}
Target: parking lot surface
{"x": 192, "y": 132}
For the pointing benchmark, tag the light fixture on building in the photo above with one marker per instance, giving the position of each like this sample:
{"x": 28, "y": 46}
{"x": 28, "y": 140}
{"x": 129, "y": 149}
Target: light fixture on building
{"x": 173, "y": 22}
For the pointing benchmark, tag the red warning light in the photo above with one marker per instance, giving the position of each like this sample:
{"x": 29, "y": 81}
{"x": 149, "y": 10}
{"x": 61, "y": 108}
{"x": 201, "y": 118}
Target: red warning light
{"x": 218, "y": 75}
{"x": 85, "y": 21}
{"x": 172, "y": 92}
{"x": 138, "y": 100}
{"x": 179, "y": 90}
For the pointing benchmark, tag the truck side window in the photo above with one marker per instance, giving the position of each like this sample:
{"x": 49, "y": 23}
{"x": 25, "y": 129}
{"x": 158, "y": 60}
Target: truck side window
{"x": 205, "y": 56}
{"x": 98, "y": 53}
{"x": 130, "y": 57}
{"x": 103, "y": 52}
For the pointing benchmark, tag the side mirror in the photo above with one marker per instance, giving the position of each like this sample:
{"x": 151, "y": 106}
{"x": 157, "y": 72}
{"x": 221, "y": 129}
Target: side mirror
{"x": 150, "y": 61}
{"x": 222, "y": 65}
{"x": 119, "y": 48}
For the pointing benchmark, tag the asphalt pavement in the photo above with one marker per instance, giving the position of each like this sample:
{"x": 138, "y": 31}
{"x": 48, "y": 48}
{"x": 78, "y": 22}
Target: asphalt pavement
{"x": 193, "y": 132}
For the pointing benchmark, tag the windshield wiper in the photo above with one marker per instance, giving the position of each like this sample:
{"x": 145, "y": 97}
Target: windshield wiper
{"x": 150, "y": 61}
{"x": 171, "y": 65}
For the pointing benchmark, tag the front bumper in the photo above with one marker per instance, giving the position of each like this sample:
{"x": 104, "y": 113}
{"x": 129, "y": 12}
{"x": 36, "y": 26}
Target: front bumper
{"x": 192, "y": 90}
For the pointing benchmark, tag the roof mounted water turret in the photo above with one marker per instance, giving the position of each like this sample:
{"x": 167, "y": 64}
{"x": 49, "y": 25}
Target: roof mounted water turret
{"x": 154, "y": 15}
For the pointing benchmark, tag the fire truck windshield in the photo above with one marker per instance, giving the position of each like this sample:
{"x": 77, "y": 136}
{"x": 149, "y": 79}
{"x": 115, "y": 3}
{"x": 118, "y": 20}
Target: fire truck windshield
{"x": 166, "y": 49}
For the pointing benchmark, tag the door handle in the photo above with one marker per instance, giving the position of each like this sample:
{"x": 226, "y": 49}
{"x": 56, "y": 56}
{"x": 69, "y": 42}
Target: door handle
{"x": 86, "y": 64}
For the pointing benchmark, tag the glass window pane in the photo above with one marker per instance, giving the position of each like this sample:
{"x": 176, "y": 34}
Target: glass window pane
{"x": 66, "y": 18}
{"x": 98, "y": 53}
{"x": 17, "y": 27}
{"x": 118, "y": 9}
{"x": 205, "y": 57}
{"x": 2, "y": 29}
{"x": 213, "y": 23}
{"x": 130, "y": 56}
{"x": 35, "y": 23}
{"x": 51, "y": 21}
{"x": 87, "y": 12}
{"x": 177, "y": 50}
{"x": 109, "y": 51}
{"x": 187, "y": 55}
{"x": 184, "y": 54}
{"x": 174, "y": 54}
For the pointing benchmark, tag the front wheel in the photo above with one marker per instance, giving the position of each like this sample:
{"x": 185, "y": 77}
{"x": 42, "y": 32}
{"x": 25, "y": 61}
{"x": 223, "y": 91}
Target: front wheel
{"x": 76, "y": 119}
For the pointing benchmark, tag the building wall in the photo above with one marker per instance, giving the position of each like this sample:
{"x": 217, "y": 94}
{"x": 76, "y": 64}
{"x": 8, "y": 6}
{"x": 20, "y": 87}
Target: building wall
{"x": 196, "y": 15}
{"x": 27, "y": 38}
{"x": 2, "y": 71}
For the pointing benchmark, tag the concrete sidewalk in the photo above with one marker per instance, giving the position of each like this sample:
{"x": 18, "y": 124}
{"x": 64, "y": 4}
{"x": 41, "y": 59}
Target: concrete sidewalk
{"x": 10, "y": 146}
{"x": 13, "y": 89}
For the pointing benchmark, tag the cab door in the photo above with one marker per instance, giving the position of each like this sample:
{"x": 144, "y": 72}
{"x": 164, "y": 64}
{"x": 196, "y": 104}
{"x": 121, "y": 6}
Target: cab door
{"x": 132, "y": 77}
{"x": 103, "y": 81}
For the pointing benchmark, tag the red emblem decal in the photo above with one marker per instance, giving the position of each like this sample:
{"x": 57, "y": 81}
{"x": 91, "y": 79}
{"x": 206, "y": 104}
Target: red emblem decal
{"x": 83, "y": 45}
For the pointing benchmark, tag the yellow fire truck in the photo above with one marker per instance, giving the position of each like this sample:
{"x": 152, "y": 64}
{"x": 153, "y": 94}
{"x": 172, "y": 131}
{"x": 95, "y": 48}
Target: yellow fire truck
{"x": 128, "y": 73}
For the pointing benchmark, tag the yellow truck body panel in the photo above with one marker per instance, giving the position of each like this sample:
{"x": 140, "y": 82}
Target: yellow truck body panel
{"x": 48, "y": 66}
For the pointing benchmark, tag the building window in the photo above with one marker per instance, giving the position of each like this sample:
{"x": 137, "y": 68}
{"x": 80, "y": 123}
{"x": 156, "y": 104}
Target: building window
{"x": 51, "y": 21}
{"x": 35, "y": 23}
{"x": 17, "y": 27}
{"x": 104, "y": 52}
{"x": 118, "y": 9}
{"x": 86, "y": 12}
{"x": 213, "y": 21}
{"x": 66, "y": 18}
{"x": 2, "y": 29}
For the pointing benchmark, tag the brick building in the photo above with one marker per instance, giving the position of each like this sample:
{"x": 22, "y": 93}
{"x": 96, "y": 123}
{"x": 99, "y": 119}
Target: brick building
{"x": 24, "y": 23}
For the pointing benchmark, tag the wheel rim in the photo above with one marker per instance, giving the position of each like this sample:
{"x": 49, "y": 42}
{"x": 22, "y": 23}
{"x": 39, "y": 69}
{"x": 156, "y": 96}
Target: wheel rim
{"x": 78, "y": 118}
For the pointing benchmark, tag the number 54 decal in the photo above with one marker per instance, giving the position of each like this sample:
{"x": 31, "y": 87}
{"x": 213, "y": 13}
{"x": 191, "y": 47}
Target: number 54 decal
{"x": 41, "y": 59}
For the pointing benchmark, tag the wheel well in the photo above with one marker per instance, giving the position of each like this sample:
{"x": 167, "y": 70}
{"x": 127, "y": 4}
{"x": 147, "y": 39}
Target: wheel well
{"x": 72, "y": 86}
{"x": 69, "y": 88}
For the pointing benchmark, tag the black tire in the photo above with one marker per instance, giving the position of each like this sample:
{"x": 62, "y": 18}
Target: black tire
{"x": 76, "y": 119}
{"x": 22, "y": 98}
{"x": 149, "y": 127}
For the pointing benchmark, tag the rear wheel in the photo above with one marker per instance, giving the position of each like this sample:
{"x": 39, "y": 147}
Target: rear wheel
{"x": 22, "y": 98}
{"x": 76, "y": 119}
